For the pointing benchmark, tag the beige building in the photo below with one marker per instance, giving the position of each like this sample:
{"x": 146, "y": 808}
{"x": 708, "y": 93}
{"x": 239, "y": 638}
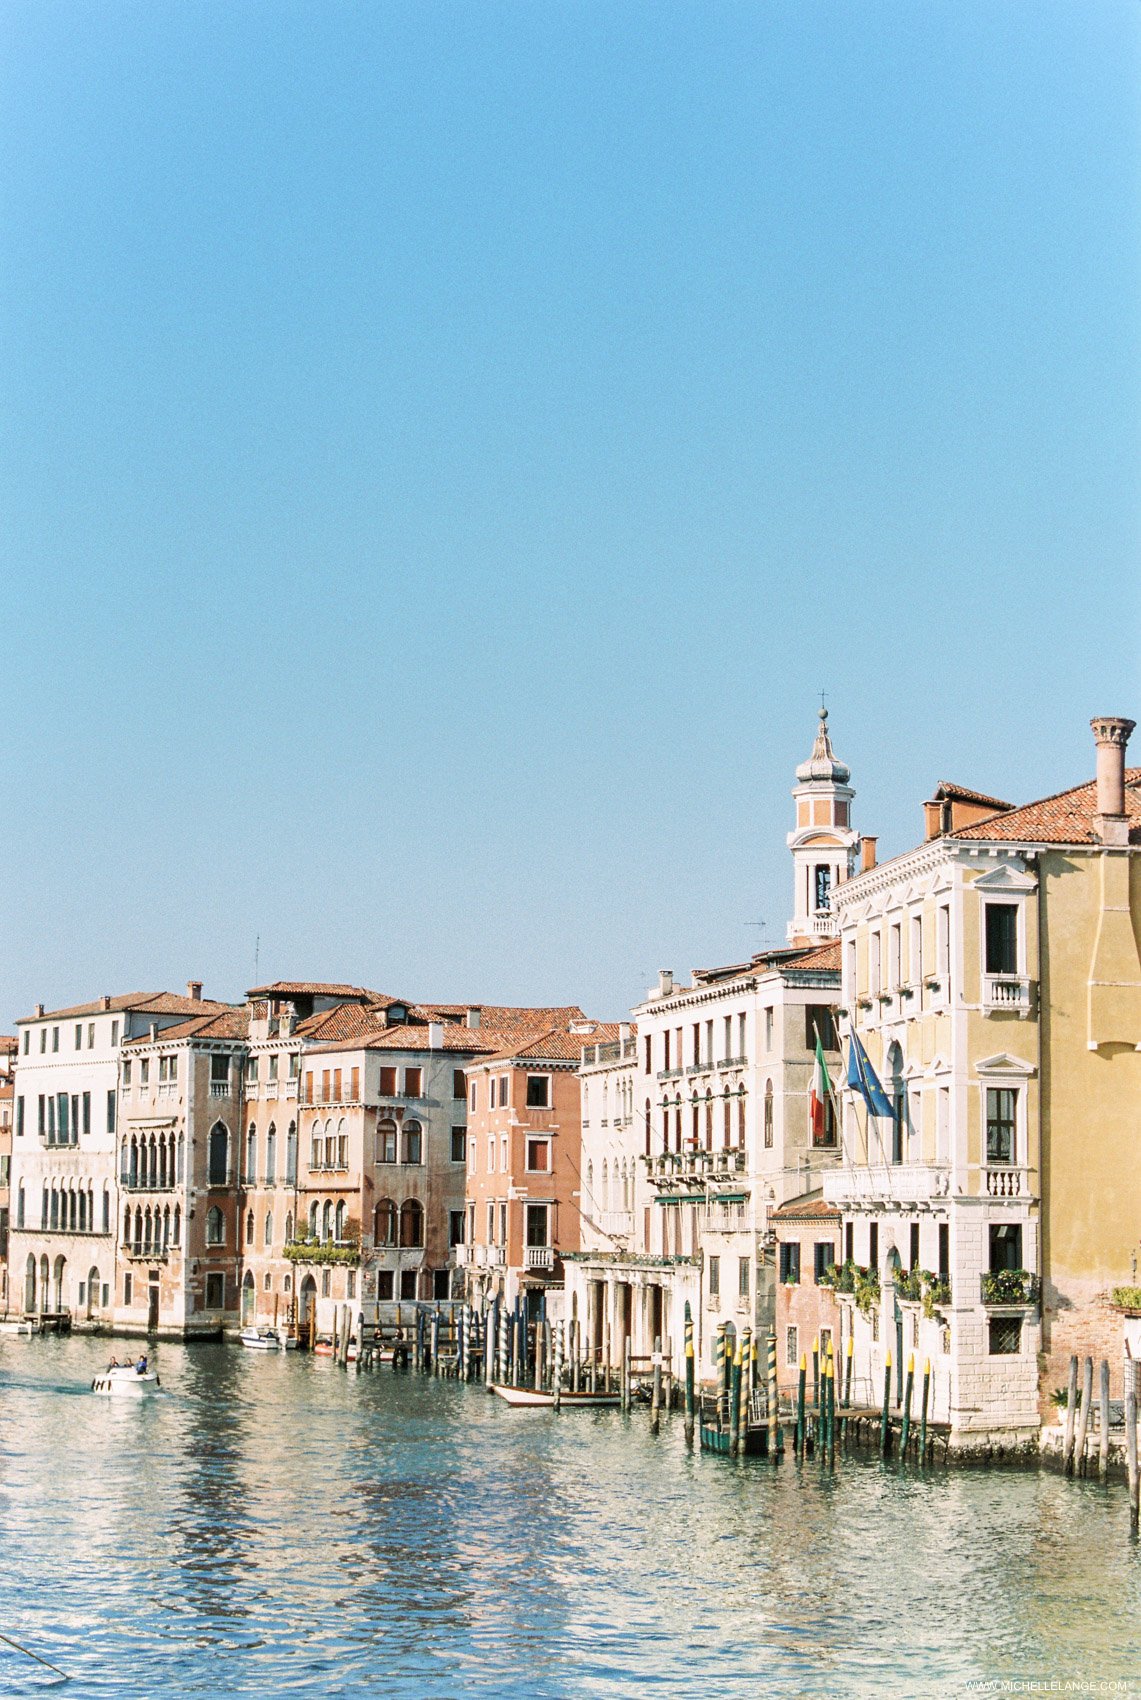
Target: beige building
{"x": 992, "y": 976}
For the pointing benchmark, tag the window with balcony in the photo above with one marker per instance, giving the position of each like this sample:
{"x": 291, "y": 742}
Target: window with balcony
{"x": 219, "y": 1070}
{"x": 822, "y": 886}
{"x": 536, "y": 1225}
{"x": 1001, "y": 931}
{"x": 1001, "y": 1115}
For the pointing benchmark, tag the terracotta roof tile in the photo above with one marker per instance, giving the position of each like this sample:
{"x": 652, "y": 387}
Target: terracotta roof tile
{"x": 344, "y": 1021}
{"x": 158, "y": 1003}
{"x": 232, "y": 1022}
{"x": 812, "y": 1208}
{"x": 558, "y": 1044}
{"x": 946, "y": 791}
{"x": 319, "y": 989}
{"x": 1065, "y": 818}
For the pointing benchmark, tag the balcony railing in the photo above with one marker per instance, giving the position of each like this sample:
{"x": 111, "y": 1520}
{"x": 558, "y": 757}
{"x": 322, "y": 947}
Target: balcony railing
{"x": 1006, "y": 991}
{"x": 1009, "y": 1287}
{"x": 538, "y": 1257}
{"x": 222, "y": 1088}
{"x": 461, "y": 1253}
{"x": 898, "y": 1183}
{"x": 694, "y": 1167}
{"x": 1007, "y": 1181}
{"x": 670, "y": 1073}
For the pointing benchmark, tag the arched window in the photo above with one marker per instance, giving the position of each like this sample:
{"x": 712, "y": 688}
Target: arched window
{"x": 291, "y": 1154}
{"x": 339, "y": 1229}
{"x": 271, "y": 1155}
{"x": 590, "y": 1187}
{"x": 218, "y": 1156}
{"x": 134, "y": 1174}
{"x": 249, "y": 1227}
{"x": 44, "y": 1208}
{"x": 251, "y": 1154}
{"x": 288, "y": 1226}
{"x": 327, "y": 1220}
{"x": 768, "y": 1113}
{"x": 709, "y": 1121}
{"x": 177, "y": 1225}
{"x": 83, "y": 1212}
{"x": 30, "y": 1284}
{"x": 180, "y": 1171}
{"x": 385, "y": 1220}
{"x": 166, "y": 1227}
{"x": 147, "y": 1229}
{"x": 386, "y": 1141}
{"x": 316, "y": 1151}
{"x": 741, "y": 1121}
{"x": 215, "y": 1226}
{"x": 313, "y": 1210}
{"x": 412, "y": 1223}
{"x": 268, "y": 1240}
{"x": 72, "y": 1210}
{"x": 605, "y": 1184}
{"x": 106, "y": 1211}
{"x": 54, "y": 1217}
{"x": 20, "y": 1206}
{"x": 124, "y": 1162}
{"x": 138, "y": 1227}
{"x": 127, "y": 1226}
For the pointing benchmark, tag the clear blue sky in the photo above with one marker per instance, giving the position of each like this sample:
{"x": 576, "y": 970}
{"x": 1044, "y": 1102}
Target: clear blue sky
{"x": 445, "y": 449}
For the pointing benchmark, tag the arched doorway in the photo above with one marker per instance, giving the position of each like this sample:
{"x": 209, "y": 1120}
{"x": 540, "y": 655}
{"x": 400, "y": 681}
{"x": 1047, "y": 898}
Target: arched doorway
{"x": 308, "y": 1299}
{"x": 30, "y": 1285}
{"x": 92, "y": 1292}
{"x": 45, "y": 1284}
{"x": 58, "y": 1292}
{"x": 249, "y": 1297}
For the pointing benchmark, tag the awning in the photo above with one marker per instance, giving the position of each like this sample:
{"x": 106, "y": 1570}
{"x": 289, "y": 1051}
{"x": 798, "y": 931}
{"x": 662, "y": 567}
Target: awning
{"x": 681, "y": 1198}
{"x": 729, "y": 1198}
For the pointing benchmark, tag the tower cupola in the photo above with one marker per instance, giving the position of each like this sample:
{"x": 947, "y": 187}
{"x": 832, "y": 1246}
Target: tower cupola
{"x": 823, "y": 843}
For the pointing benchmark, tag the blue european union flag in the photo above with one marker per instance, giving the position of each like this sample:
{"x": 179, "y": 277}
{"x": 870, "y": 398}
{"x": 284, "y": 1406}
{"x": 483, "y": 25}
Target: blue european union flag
{"x": 862, "y": 1078}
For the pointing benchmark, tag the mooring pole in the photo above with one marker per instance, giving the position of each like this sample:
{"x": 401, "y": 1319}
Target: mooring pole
{"x": 656, "y": 1388}
{"x": 776, "y": 1442}
{"x": 800, "y": 1392}
{"x": 1103, "y": 1423}
{"x": 885, "y": 1431}
{"x": 905, "y": 1431}
{"x": 688, "y": 1374}
{"x": 923, "y": 1411}
{"x": 1071, "y": 1410}
{"x": 1083, "y": 1416}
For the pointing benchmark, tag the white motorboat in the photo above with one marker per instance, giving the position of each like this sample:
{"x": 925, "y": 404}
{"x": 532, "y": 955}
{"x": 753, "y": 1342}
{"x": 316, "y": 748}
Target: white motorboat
{"x": 531, "y": 1397}
{"x": 11, "y": 1326}
{"x": 260, "y": 1339}
{"x": 125, "y": 1381}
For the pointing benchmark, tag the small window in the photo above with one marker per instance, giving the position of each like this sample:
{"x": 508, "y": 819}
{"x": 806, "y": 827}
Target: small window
{"x": 818, "y": 1018}
{"x": 459, "y": 1085}
{"x": 790, "y": 1262}
{"x": 219, "y": 1070}
{"x": 1005, "y": 1335}
{"x": 792, "y": 1348}
{"x": 1001, "y": 1105}
{"x": 79, "y": 1035}
{"x": 388, "y": 1083}
{"x": 714, "y": 1277}
{"x": 459, "y": 1144}
{"x": 384, "y": 1287}
{"x": 455, "y": 1227}
{"x": 538, "y": 1091}
{"x": 823, "y": 1258}
{"x": 1001, "y": 938}
{"x": 743, "y": 1267}
{"x": 412, "y": 1082}
{"x": 114, "y": 1034}
{"x": 127, "y": 1285}
{"x": 413, "y": 1142}
{"x": 539, "y": 1156}
{"x": 91, "y": 1036}
{"x": 408, "y": 1283}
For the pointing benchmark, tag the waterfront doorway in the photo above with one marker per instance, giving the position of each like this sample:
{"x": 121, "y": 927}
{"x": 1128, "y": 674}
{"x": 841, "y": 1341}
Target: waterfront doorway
{"x": 308, "y": 1300}
{"x": 152, "y": 1304}
{"x": 92, "y": 1293}
{"x": 248, "y": 1297}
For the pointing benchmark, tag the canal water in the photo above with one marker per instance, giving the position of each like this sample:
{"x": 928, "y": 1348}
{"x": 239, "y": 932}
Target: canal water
{"x": 274, "y": 1525}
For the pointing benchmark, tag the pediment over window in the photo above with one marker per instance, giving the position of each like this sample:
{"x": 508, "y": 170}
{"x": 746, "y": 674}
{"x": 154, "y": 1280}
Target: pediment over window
{"x": 1004, "y": 1063}
{"x": 1005, "y": 879}
{"x": 937, "y": 1066}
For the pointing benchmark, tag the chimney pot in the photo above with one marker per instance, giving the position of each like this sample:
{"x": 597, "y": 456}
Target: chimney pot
{"x": 665, "y": 982}
{"x": 435, "y": 1035}
{"x": 39, "y": 1009}
{"x": 1111, "y": 734}
{"x": 867, "y": 852}
{"x": 194, "y": 990}
{"x": 105, "y": 1001}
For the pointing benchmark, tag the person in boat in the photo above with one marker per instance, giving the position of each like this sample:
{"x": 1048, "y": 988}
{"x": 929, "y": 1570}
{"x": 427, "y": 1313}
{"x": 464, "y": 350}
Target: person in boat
{"x": 114, "y": 1364}
{"x": 141, "y": 1366}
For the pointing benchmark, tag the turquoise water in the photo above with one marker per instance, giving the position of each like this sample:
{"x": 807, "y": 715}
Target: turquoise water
{"x": 275, "y": 1525}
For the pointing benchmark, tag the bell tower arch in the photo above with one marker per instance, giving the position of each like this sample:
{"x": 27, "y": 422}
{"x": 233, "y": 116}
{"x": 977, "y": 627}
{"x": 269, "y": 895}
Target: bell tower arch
{"x": 823, "y": 842}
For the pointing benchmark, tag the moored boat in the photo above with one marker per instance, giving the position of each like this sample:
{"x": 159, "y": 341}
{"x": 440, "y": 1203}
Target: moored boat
{"x": 12, "y": 1326}
{"x": 260, "y": 1339}
{"x": 530, "y": 1396}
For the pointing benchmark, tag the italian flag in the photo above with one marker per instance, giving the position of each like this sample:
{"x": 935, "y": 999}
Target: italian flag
{"x": 821, "y": 1087}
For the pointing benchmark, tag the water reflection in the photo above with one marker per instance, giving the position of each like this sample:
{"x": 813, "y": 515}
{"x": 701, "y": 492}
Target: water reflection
{"x": 272, "y": 1524}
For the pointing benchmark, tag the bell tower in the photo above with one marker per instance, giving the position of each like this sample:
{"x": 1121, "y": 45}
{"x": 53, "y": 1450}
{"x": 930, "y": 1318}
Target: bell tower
{"x": 823, "y": 843}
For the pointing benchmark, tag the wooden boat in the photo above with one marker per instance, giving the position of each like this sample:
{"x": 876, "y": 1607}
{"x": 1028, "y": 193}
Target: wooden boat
{"x": 125, "y": 1381}
{"x": 323, "y": 1346}
{"x": 529, "y": 1396}
{"x": 260, "y": 1339}
{"x": 11, "y": 1326}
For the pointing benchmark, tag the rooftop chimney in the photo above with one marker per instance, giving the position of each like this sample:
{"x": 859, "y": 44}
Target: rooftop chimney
{"x": 1111, "y": 734}
{"x": 665, "y": 982}
{"x": 194, "y": 990}
{"x": 105, "y": 1001}
{"x": 623, "y": 1032}
{"x": 39, "y": 1009}
{"x": 473, "y": 1017}
{"x": 867, "y": 853}
{"x": 435, "y": 1035}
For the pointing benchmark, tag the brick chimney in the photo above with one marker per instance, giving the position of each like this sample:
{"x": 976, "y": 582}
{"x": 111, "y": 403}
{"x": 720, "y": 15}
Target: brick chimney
{"x": 435, "y": 1035}
{"x": 194, "y": 990}
{"x": 867, "y": 852}
{"x": 1111, "y": 735}
{"x": 105, "y": 1001}
{"x": 39, "y": 1009}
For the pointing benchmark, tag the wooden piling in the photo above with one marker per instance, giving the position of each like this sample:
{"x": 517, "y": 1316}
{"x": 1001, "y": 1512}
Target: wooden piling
{"x": 776, "y": 1441}
{"x": 656, "y": 1387}
{"x": 557, "y": 1373}
{"x": 885, "y": 1431}
{"x": 689, "y": 1390}
{"x": 923, "y": 1411}
{"x": 1071, "y": 1412}
{"x": 831, "y": 1406}
{"x": 816, "y": 1378}
{"x": 801, "y": 1382}
{"x": 905, "y": 1430}
{"x": 1131, "y": 1447}
{"x": 1103, "y": 1423}
{"x": 719, "y": 1368}
{"x": 848, "y": 1370}
{"x": 735, "y": 1399}
{"x": 626, "y": 1373}
{"x": 1083, "y": 1416}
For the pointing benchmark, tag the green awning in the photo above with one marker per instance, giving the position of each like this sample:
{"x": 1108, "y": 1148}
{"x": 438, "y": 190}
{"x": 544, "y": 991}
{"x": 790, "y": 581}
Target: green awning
{"x": 681, "y": 1198}
{"x": 729, "y": 1198}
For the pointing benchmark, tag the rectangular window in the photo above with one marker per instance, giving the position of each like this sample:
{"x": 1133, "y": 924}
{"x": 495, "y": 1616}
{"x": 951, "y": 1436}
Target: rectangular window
{"x": 823, "y": 1259}
{"x": 503, "y": 1224}
{"x": 19, "y": 1118}
{"x": 895, "y": 956}
{"x": 535, "y": 1225}
{"x": 769, "y": 1031}
{"x": 1005, "y": 1335}
{"x": 41, "y": 1124}
{"x": 538, "y": 1091}
{"x": 79, "y": 1035}
{"x": 215, "y": 1291}
{"x": 219, "y": 1069}
{"x": 384, "y": 1281}
{"x": 1001, "y": 938}
{"x": 1001, "y": 1107}
{"x": 471, "y": 1097}
{"x": 849, "y": 1242}
{"x": 914, "y": 1246}
{"x": 90, "y": 1035}
{"x": 325, "y": 1083}
{"x": 459, "y": 1144}
{"x": 539, "y": 1156}
{"x": 252, "y": 1070}
{"x": 413, "y": 1078}
{"x": 127, "y": 1289}
{"x": 350, "y": 1283}
{"x": 110, "y": 1112}
{"x": 27, "y": 1039}
{"x": 874, "y": 1245}
{"x": 491, "y": 1155}
{"x": 818, "y": 1018}
{"x": 790, "y": 1261}
{"x": 491, "y": 1224}
{"x": 504, "y": 1161}
{"x": 915, "y": 966}
{"x": 388, "y": 1083}
{"x": 875, "y": 967}
{"x": 413, "y": 1143}
{"x": 61, "y": 1120}
{"x": 408, "y": 1283}
{"x": 850, "y": 972}
{"x": 696, "y": 1044}
{"x": 336, "y": 1086}
{"x": 459, "y": 1085}
{"x": 648, "y": 1042}
{"x": 944, "y": 1250}
{"x": 792, "y": 1348}
{"x": 308, "y": 1086}
{"x": 273, "y": 1066}
{"x": 86, "y": 1114}
{"x": 503, "y": 1079}
{"x": 386, "y": 1143}
{"x": 114, "y": 1034}
{"x": 943, "y": 944}
{"x": 666, "y": 1050}
{"x": 455, "y": 1227}
{"x": 354, "y": 1084}
{"x": 741, "y": 1035}
{"x": 43, "y": 1040}
{"x": 342, "y": 1151}
{"x": 743, "y": 1267}
{"x": 1005, "y": 1247}
{"x": 714, "y": 1277}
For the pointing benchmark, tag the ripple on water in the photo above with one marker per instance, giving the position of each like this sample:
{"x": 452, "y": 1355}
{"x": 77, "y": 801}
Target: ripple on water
{"x": 273, "y": 1525}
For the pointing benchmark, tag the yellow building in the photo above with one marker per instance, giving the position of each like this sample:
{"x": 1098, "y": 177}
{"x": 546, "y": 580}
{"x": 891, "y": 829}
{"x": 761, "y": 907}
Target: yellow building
{"x": 993, "y": 976}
